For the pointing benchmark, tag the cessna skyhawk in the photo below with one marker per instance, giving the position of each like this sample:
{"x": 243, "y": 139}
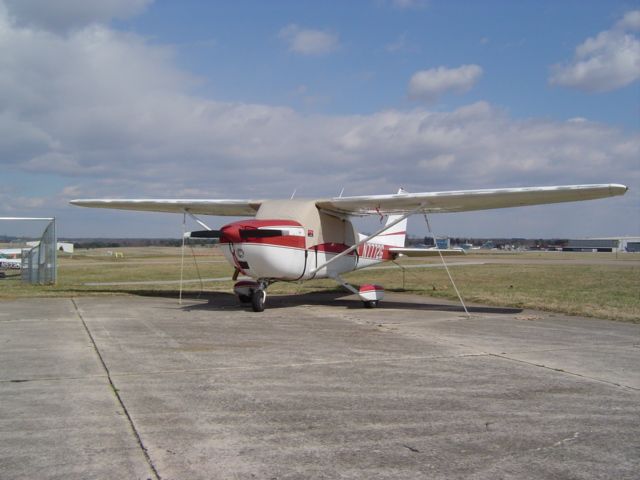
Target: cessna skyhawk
{"x": 297, "y": 240}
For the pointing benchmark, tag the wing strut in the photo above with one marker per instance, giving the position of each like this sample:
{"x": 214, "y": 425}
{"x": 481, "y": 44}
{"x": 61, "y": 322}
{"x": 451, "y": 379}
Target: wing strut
{"x": 426, "y": 218}
{"x": 366, "y": 239}
{"x": 200, "y": 222}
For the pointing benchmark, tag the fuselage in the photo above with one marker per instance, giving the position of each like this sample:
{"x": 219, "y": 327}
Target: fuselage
{"x": 288, "y": 240}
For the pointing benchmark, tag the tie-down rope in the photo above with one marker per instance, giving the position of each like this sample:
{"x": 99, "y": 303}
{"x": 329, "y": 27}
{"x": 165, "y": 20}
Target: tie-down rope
{"x": 426, "y": 218}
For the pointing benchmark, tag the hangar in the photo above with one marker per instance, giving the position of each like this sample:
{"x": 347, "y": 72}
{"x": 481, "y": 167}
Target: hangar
{"x": 609, "y": 244}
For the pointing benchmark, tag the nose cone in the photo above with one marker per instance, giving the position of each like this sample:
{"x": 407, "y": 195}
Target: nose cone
{"x": 230, "y": 233}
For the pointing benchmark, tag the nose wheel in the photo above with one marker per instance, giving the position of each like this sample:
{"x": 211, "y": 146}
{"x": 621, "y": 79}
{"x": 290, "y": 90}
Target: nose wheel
{"x": 251, "y": 292}
{"x": 258, "y": 297}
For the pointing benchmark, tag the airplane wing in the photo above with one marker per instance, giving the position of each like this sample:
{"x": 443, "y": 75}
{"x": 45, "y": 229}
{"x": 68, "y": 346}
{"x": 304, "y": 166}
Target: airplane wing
{"x": 236, "y": 208}
{"x": 466, "y": 200}
{"x": 426, "y": 252}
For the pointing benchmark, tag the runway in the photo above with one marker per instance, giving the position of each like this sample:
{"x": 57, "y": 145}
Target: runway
{"x": 314, "y": 387}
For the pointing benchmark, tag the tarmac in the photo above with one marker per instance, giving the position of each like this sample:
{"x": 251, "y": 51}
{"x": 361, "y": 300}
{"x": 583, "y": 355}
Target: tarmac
{"x": 316, "y": 387}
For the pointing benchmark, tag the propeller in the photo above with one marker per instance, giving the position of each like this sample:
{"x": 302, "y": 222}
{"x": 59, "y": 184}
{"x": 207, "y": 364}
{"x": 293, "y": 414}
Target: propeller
{"x": 245, "y": 233}
{"x": 203, "y": 234}
{"x": 260, "y": 233}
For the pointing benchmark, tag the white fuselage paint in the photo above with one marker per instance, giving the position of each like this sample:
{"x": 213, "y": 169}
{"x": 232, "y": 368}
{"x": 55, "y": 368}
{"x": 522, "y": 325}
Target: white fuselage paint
{"x": 287, "y": 263}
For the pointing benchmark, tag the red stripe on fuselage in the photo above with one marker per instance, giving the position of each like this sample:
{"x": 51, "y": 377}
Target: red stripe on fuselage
{"x": 331, "y": 248}
{"x": 231, "y": 233}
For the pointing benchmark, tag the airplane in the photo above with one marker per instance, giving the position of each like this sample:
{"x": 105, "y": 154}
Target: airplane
{"x": 297, "y": 240}
{"x": 10, "y": 263}
{"x": 9, "y": 258}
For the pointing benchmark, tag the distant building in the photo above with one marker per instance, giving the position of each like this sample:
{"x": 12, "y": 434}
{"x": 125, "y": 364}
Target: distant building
{"x": 611, "y": 244}
{"x": 441, "y": 242}
{"x": 65, "y": 247}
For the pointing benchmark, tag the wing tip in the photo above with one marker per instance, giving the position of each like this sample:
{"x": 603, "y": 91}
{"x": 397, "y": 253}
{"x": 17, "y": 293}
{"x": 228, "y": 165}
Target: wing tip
{"x": 618, "y": 189}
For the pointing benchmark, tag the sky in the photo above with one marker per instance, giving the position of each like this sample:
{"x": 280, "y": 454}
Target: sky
{"x": 254, "y": 99}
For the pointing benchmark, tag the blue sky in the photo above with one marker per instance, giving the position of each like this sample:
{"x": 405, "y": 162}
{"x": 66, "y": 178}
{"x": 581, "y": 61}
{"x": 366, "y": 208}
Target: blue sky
{"x": 250, "y": 99}
{"x": 235, "y": 49}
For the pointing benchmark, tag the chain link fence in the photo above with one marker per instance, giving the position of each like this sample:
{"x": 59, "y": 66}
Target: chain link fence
{"x": 39, "y": 263}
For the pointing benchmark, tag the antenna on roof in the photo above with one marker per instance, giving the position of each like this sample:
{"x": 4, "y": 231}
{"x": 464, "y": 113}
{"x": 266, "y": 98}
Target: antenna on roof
{"x": 341, "y": 192}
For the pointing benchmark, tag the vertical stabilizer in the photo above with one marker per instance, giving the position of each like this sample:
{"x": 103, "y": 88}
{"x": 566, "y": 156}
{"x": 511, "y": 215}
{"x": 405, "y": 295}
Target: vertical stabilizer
{"x": 395, "y": 236}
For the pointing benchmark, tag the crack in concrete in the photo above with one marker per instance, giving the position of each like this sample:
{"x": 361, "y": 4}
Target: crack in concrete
{"x": 117, "y": 394}
{"x": 447, "y": 341}
{"x": 561, "y": 370}
{"x": 49, "y": 379}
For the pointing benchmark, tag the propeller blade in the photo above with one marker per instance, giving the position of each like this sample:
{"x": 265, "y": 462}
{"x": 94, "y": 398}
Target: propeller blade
{"x": 203, "y": 234}
{"x": 260, "y": 233}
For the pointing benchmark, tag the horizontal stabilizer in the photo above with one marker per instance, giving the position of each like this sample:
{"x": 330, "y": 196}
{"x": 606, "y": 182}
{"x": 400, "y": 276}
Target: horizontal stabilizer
{"x": 427, "y": 252}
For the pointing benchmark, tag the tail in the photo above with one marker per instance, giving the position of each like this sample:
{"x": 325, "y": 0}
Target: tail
{"x": 395, "y": 236}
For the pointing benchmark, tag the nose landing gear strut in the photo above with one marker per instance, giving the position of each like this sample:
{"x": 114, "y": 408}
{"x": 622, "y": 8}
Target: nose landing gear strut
{"x": 251, "y": 292}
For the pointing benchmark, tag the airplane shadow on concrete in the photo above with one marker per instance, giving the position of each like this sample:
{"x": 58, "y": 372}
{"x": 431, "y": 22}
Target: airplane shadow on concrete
{"x": 337, "y": 298}
{"x": 227, "y": 301}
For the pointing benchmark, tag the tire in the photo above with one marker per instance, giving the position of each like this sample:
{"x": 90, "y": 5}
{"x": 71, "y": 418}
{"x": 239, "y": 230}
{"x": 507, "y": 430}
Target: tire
{"x": 371, "y": 304}
{"x": 244, "y": 298}
{"x": 257, "y": 300}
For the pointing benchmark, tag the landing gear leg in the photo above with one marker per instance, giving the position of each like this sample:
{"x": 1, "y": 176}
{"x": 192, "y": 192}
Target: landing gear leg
{"x": 369, "y": 294}
{"x": 345, "y": 285}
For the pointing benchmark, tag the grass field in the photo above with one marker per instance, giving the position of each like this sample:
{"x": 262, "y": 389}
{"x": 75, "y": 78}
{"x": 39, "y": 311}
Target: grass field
{"x": 597, "y": 285}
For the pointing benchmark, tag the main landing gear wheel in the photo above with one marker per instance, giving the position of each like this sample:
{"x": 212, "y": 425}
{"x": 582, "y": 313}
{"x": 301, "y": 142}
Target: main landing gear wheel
{"x": 371, "y": 304}
{"x": 257, "y": 300}
{"x": 244, "y": 298}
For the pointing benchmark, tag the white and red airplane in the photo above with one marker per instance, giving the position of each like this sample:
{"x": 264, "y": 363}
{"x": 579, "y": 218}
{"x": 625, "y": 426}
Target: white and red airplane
{"x": 297, "y": 240}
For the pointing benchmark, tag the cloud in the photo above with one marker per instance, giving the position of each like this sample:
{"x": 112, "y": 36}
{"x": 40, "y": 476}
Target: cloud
{"x": 308, "y": 41}
{"x": 63, "y": 15}
{"x": 428, "y": 85}
{"x": 106, "y": 114}
{"x": 630, "y": 21}
{"x": 606, "y": 62}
